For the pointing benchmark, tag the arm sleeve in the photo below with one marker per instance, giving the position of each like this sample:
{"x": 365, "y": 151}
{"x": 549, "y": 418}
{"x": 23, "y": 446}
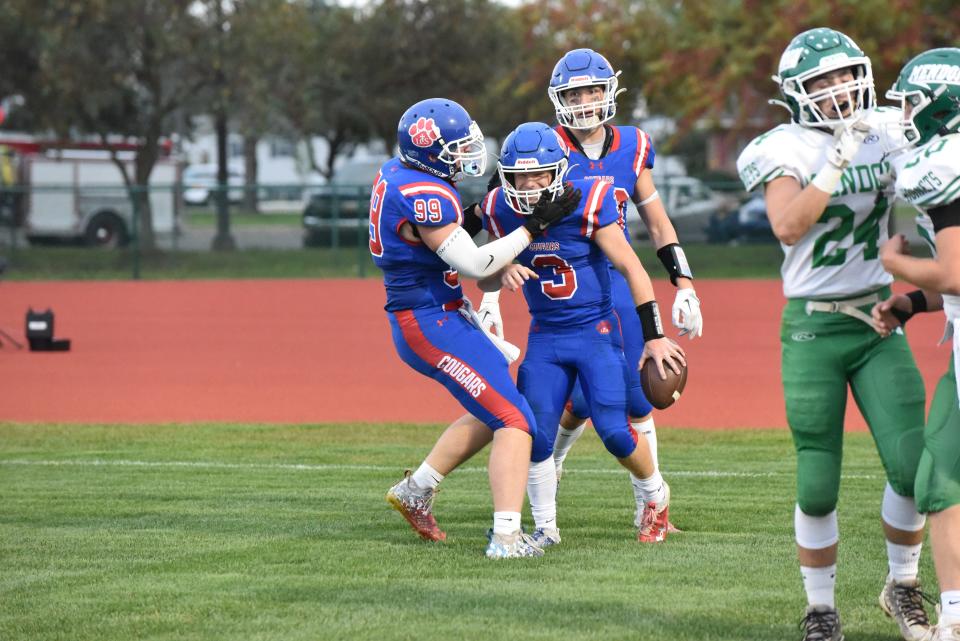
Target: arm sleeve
{"x": 460, "y": 252}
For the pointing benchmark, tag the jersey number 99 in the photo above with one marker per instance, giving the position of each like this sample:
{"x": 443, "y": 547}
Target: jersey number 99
{"x": 427, "y": 211}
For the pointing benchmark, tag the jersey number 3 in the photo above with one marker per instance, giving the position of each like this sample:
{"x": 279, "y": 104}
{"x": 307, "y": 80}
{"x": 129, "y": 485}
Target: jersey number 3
{"x": 564, "y": 283}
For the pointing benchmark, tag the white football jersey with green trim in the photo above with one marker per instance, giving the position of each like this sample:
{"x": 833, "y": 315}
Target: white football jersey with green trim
{"x": 929, "y": 177}
{"x": 839, "y": 256}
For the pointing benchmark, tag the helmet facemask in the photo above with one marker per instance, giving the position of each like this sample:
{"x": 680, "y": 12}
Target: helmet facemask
{"x": 856, "y": 95}
{"x": 924, "y": 114}
{"x": 523, "y": 201}
{"x": 586, "y": 115}
{"x": 467, "y": 157}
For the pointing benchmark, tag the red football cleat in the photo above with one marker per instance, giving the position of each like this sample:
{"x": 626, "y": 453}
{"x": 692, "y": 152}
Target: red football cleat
{"x": 416, "y": 506}
{"x": 655, "y": 521}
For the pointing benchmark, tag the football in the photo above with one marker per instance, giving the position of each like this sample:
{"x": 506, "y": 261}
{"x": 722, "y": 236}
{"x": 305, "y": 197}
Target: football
{"x": 662, "y": 393}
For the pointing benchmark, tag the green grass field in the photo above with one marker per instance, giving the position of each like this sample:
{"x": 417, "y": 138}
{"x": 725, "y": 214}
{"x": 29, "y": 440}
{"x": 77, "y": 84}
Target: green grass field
{"x": 282, "y": 532}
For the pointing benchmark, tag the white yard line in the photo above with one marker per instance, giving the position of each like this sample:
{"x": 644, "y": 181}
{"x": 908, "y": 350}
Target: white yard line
{"x": 304, "y": 467}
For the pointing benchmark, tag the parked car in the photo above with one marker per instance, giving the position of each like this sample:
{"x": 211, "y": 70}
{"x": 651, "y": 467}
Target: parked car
{"x": 336, "y": 214}
{"x": 747, "y": 224}
{"x": 690, "y": 204}
{"x": 200, "y": 183}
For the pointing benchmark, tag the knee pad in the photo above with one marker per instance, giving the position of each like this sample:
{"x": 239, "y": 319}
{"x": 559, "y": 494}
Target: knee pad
{"x": 542, "y": 445}
{"x": 621, "y": 441}
{"x": 815, "y": 532}
{"x": 900, "y": 511}
{"x": 818, "y": 481}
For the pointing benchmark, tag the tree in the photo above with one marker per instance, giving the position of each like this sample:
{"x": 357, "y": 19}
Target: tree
{"x": 117, "y": 67}
{"x": 410, "y": 50}
{"x": 710, "y": 61}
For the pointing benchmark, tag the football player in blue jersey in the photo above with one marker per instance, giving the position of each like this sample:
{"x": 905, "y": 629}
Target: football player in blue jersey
{"x": 583, "y": 89}
{"x": 416, "y": 238}
{"x": 575, "y": 330}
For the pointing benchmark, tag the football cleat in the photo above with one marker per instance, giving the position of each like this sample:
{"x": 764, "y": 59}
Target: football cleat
{"x": 903, "y": 602}
{"x": 652, "y": 526}
{"x": 512, "y": 546}
{"x": 545, "y": 537}
{"x": 416, "y": 505}
{"x": 821, "y": 623}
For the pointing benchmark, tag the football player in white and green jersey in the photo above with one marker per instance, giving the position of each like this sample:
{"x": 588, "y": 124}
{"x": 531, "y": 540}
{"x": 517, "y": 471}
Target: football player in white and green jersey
{"x": 828, "y": 189}
{"x": 929, "y": 178}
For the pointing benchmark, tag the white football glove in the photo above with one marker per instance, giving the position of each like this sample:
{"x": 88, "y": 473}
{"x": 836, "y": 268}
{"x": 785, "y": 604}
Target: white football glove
{"x": 686, "y": 313}
{"x": 847, "y": 141}
{"x": 489, "y": 313}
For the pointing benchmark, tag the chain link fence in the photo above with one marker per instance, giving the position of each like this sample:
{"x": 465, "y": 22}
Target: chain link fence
{"x": 98, "y": 231}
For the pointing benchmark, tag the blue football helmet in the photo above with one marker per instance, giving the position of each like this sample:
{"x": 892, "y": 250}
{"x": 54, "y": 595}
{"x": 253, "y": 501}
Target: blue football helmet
{"x": 533, "y": 147}
{"x": 439, "y": 137}
{"x": 584, "y": 68}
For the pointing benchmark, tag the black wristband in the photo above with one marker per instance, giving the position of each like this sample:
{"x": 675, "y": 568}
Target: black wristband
{"x": 675, "y": 262}
{"x": 649, "y": 314}
{"x": 918, "y": 302}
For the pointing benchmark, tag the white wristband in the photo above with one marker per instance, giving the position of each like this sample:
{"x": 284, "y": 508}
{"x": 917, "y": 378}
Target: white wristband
{"x": 828, "y": 178}
{"x": 490, "y": 297}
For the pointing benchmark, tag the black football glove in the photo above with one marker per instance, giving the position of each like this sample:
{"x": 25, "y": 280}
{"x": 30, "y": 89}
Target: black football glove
{"x": 548, "y": 212}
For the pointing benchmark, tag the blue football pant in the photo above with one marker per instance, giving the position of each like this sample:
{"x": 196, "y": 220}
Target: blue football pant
{"x": 444, "y": 346}
{"x": 553, "y": 361}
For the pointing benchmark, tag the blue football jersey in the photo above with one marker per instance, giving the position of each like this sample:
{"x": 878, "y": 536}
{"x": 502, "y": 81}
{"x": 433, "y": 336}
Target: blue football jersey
{"x": 629, "y": 151}
{"x": 415, "y": 277}
{"x": 574, "y": 284}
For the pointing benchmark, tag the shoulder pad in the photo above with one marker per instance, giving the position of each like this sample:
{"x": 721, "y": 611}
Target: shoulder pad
{"x": 768, "y": 156}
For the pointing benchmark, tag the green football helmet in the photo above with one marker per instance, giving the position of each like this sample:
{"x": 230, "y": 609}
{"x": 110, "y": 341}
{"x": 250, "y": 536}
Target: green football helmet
{"x": 812, "y": 54}
{"x": 928, "y": 90}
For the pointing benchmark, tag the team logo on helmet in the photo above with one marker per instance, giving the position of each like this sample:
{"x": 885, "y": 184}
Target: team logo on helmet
{"x": 424, "y": 132}
{"x": 935, "y": 74}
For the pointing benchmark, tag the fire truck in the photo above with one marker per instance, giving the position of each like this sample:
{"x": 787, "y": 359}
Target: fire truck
{"x": 74, "y": 191}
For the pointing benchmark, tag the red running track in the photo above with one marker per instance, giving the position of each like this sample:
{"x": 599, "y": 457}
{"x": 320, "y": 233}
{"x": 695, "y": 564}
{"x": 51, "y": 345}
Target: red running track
{"x": 311, "y": 351}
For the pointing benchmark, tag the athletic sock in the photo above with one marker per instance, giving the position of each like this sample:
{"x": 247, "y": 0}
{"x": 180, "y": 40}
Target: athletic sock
{"x": 542, "y": 491}
{"x": 648, "y": 430}
{"x": 565, "y": 440}
{"x": 506, "y": 522}
{"x": 950, "y": 607}
{"x": 649, "y": 489}
{"x": 426, "y": 477}
{"x": 819, "y": 584}
{"x": 904, "y": 561}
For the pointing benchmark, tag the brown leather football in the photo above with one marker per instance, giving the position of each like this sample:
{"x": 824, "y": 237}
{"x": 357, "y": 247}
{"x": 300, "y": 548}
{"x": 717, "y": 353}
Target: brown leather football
{"x": 662, "y": 393}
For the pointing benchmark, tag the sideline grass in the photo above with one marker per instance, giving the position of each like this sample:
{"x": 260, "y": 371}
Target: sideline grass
{"x": 281, "y": 532}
